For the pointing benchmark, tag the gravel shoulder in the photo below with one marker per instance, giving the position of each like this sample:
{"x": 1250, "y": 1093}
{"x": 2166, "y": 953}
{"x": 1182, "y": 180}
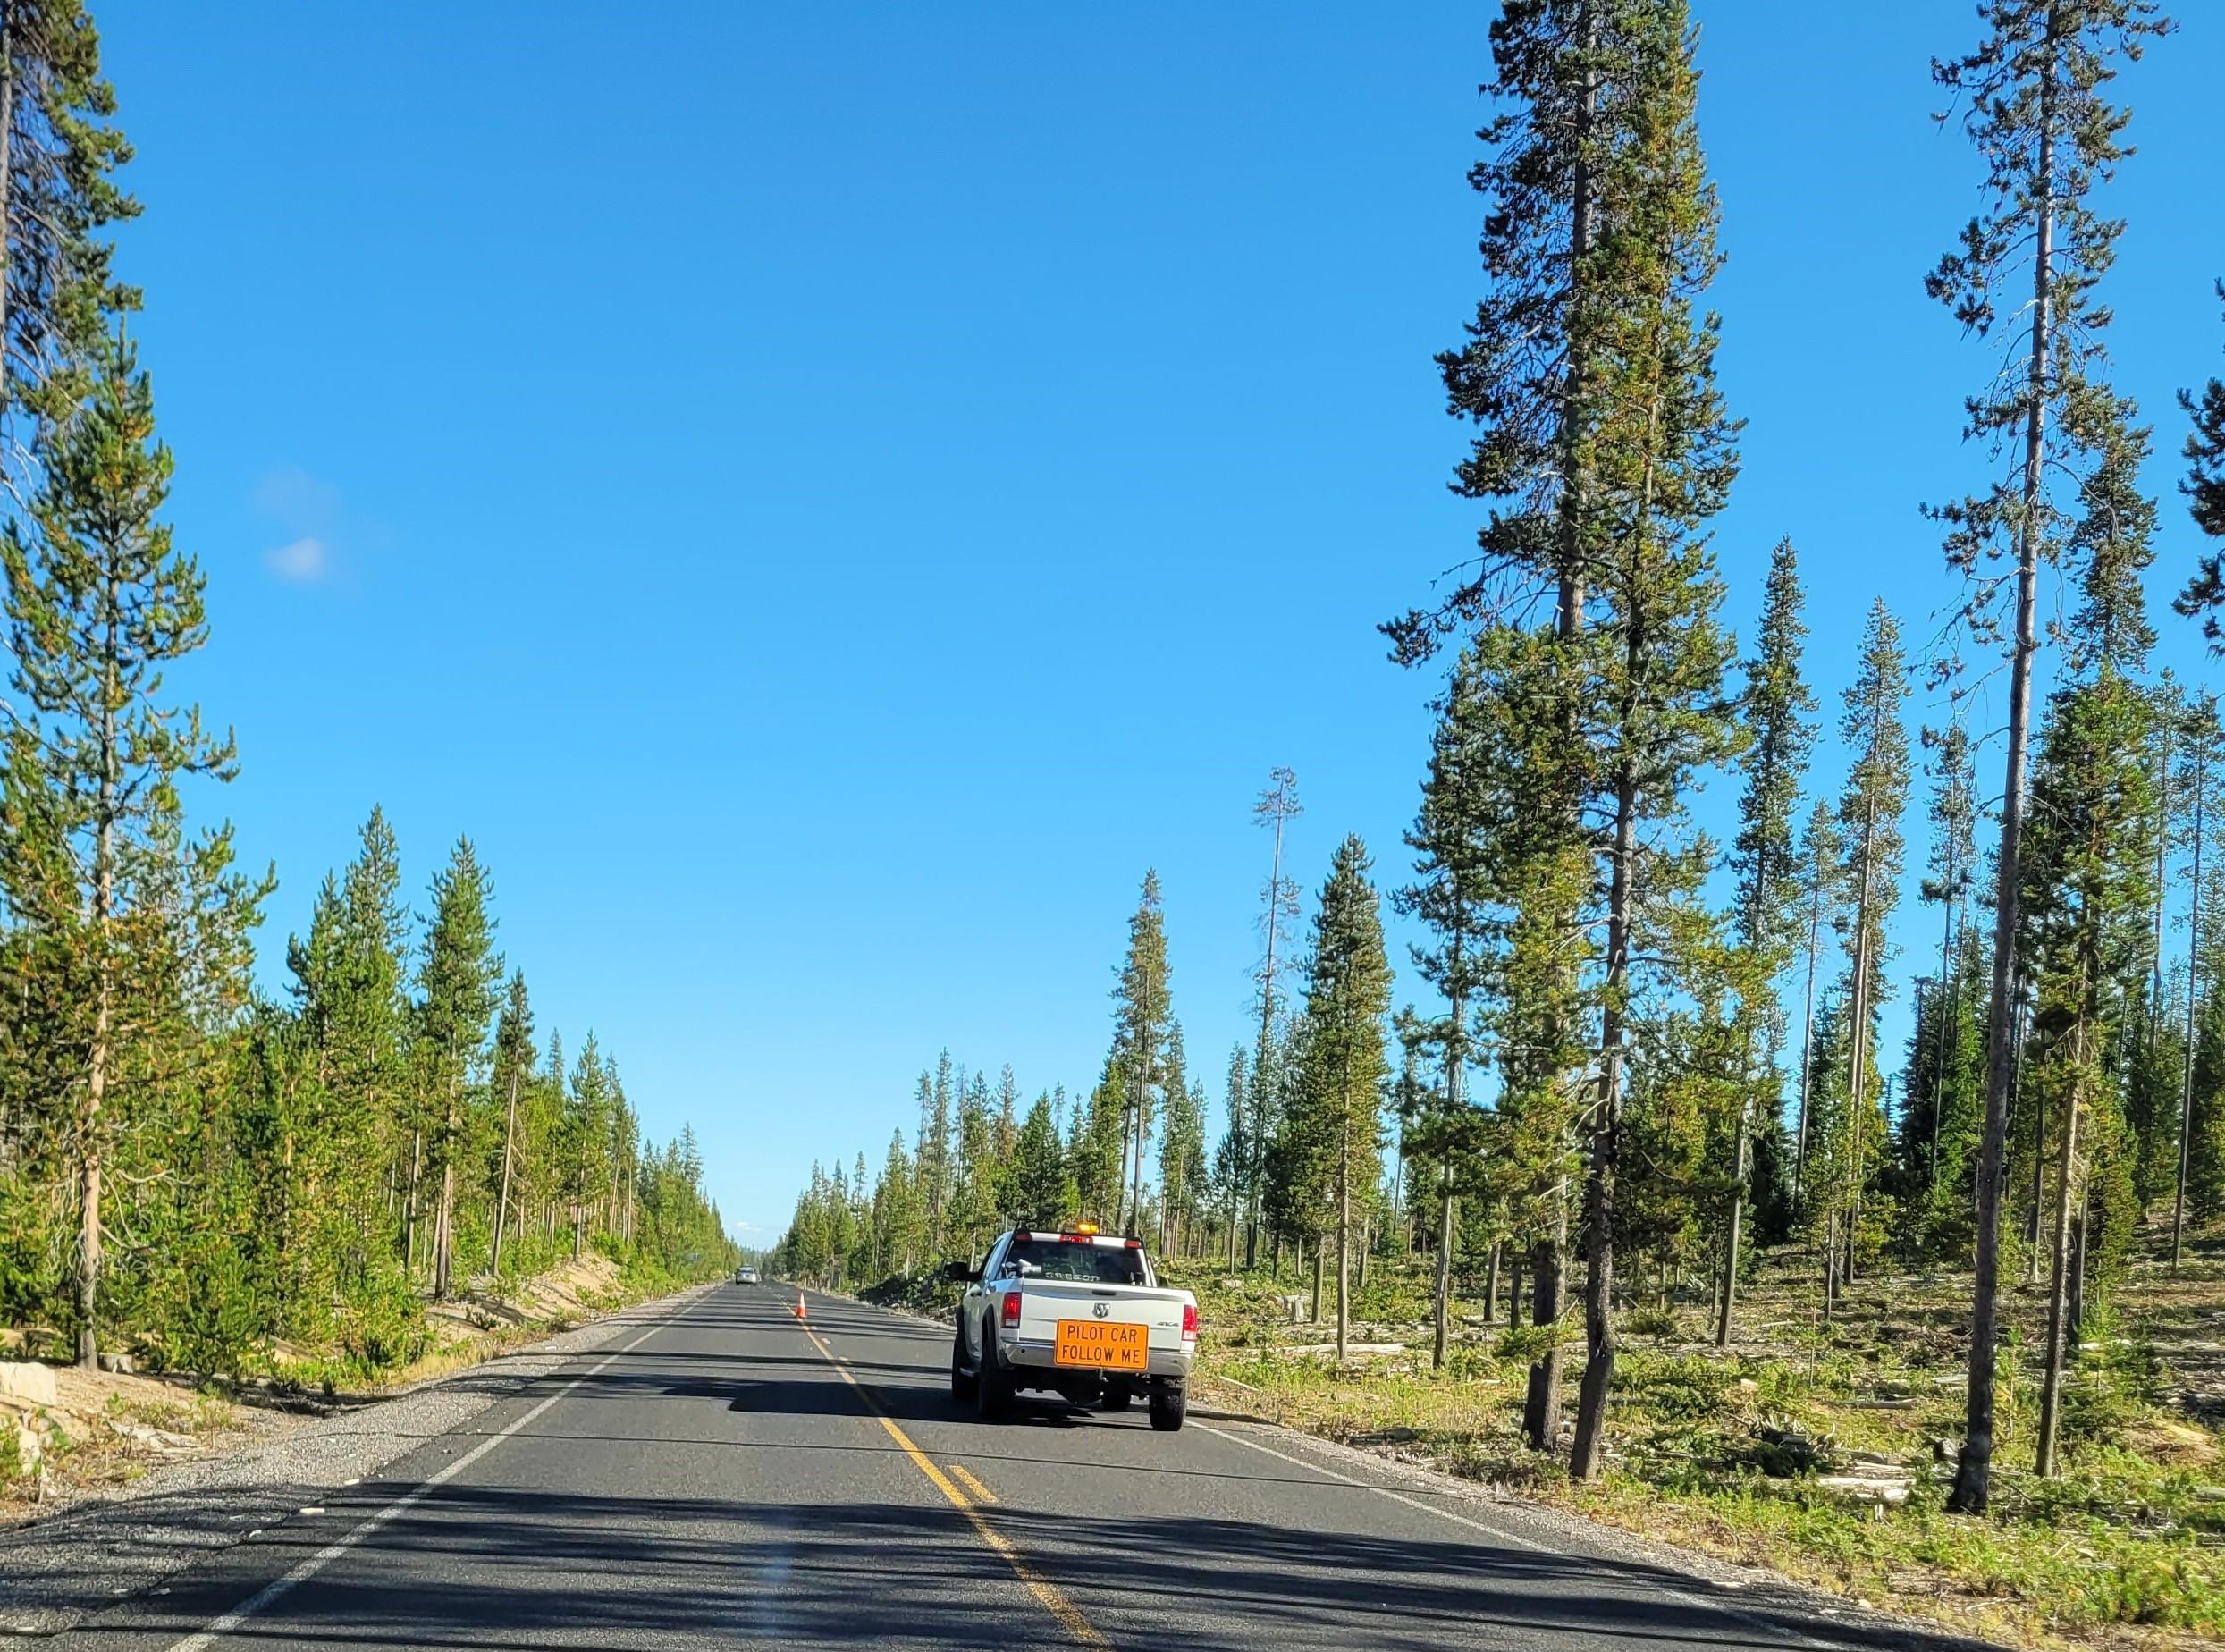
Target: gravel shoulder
{"x": 83, "y": 1554}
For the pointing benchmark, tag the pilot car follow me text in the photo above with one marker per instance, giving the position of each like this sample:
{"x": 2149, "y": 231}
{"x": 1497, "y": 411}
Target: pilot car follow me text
{"x": 1077, "y": 1313}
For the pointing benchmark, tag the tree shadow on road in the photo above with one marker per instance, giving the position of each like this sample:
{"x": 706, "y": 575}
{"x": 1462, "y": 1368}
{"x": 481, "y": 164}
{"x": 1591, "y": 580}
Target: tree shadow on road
{"x": 533, "y": 1568}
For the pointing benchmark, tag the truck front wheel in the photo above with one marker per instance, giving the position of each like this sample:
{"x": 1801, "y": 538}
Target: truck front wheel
{"x": 1170, "y": 1402}
{"x": 961, "y": 1379}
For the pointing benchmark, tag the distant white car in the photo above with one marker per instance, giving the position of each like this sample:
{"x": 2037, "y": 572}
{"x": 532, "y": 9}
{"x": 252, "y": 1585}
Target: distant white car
{"x": 1077, "y": 1313}
{"x": 744, "y": 1275}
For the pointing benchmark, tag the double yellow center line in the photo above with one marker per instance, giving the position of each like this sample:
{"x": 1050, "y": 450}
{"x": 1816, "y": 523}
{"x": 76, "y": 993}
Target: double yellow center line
{"x": 1079, "y": 1629}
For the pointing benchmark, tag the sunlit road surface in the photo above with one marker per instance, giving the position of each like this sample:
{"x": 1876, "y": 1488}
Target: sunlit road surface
{"x": 729, "y": 1476}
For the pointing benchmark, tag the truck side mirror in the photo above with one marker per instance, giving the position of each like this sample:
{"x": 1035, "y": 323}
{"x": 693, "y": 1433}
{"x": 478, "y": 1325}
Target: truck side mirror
{"x": 961, "y": 1273}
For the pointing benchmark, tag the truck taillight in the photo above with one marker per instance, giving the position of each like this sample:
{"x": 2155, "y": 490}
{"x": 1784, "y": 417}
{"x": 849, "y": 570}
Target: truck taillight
{"x": 1009, "y": 1314}
{"x": 1189, "y": 1322}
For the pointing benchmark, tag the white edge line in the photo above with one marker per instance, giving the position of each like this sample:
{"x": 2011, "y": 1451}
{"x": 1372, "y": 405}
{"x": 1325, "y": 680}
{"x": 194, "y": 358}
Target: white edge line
{"x": 1505, "y": 1536}
{"x": 1383, "y": 1491}
{"x": 303, "y": 1570}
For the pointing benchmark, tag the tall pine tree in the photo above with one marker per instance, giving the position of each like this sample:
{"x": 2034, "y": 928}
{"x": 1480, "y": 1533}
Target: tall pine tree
{"x": 1779, "y": 739}
{"x": 2033, "y": 96}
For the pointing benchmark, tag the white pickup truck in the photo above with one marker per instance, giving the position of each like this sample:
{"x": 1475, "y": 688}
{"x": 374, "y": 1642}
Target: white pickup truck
{"x": 1076, "y": 1313}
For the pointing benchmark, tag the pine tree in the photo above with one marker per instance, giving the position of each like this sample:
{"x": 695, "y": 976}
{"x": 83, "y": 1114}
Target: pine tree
{"x": 1007, "y": 1126}
{"x": 2205, "y": 1172}
{"x": 2095, "y": 814}
{"x": 513, "y": 1063}
{"x": 899, "y": 1233}
{"x": 1096, "y": 1144}
{"x": 1528, "y": 374}
{"x": 1043, "y": 1191}
{"x": 1277, "y": 808}
{"x": 625, "y": 1155}
{"x": 1944, "y": 1098}
{"x": 2205, "y": 488}
{"x": 1181, "y": 1149}
{"x": 1343, "y": 1059}
{"x": 1779, "y": 738}
{"x": 546, "y": 1105}
{"x": 972, "y": 1202}
{"x": 458, "y": 980}
{"x": 100, "y": 602}
{"x": 2085, "y": 909}
{"x": 1540, "y": 872}
{"x": 1142, "y": 1018}
{"x": 1298, "y": 1190}
{"x": 2047, "y": 136}
{"x": 1451, "y": 895}
{"x": 1530, "y": 377}
{"x": 1664, "y": 466}
{"x": 2202, "y": 758}
{"x": 933, "y": 1165}
{"x": 1235, "y": 1158}
{"x": 586, "y": 1128}
{"x": 59, "y": 152}
{"x": 1870, "y": 811}
{"x": 1949, "y": 876}
{"x": 2155, "y": 1050}
{"x": 332, "y": 1077}
{"x": 1820, "y": 875}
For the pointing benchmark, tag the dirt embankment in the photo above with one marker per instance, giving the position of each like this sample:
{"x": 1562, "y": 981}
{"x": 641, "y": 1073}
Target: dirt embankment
{"x": 64, "y": 1431}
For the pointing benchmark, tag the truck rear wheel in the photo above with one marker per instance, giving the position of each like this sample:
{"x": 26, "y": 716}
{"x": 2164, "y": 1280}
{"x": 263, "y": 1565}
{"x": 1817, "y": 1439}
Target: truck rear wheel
{"x": 1170, "y": 1402}
{"x": 961, "y": 1379}
{"x": 993, "y": 1385}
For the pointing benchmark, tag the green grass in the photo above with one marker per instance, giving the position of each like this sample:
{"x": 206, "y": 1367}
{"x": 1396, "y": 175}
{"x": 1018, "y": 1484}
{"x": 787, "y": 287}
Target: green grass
{"x": 2127, "y": 1548}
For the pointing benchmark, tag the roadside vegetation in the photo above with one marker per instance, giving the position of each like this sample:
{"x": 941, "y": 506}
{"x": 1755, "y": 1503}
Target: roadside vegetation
{"x": 197, "y": 1175}
{"x": 1823, "y": 1452}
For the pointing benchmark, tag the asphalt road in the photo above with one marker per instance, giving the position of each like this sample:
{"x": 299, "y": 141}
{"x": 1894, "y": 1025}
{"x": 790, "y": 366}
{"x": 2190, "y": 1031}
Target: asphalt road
{"x": 728, "y": 1477}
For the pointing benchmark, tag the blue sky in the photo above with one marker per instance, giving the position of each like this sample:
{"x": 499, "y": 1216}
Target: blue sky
{"x": 825, "y": 496}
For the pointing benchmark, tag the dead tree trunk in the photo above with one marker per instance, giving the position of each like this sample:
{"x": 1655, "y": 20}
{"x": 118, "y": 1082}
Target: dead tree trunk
{"x": 1444, "y": 1304}
{"x": 501, "y": 1197}
{"x": 2186, "y": 1083}
{"x": 1974, "y": 1467}
{"x": 2051, "y": 1381}
{"x": 1599, "y": 1338}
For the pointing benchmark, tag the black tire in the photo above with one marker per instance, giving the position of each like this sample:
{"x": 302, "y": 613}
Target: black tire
{"x": 993, "y": 1387}
{"x": 1117, "y": 1395}
{"x": 961, "y": 1379}
{"x": 1169, "y": 1404}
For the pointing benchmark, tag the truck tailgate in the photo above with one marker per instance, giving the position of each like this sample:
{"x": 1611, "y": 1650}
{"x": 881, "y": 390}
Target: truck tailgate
{"x": 1044, "y": 1302}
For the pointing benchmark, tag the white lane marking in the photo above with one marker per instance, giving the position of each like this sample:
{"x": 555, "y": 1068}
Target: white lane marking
{"x": 1682, "y": 1596}
{"x": 306, "y": 1569}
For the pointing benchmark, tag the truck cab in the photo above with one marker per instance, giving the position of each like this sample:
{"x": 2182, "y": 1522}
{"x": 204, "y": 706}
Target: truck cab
{"x": 1073, "y": 1313}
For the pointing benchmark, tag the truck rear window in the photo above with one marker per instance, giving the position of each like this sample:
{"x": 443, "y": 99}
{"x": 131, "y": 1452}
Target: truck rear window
{"x": 1079, "y": 1261}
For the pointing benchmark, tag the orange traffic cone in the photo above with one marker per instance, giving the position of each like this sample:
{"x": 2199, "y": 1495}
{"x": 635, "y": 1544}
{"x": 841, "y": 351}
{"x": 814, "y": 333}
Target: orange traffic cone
{"x": 801, "y": 1312}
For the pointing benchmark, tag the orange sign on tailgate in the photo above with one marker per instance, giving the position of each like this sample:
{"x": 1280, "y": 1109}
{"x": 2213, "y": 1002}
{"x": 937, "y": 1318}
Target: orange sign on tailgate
{"x": 1092, "y": 1342}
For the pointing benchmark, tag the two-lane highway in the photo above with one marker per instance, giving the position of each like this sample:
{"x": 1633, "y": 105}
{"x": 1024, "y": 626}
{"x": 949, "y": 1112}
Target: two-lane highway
{"x": 727, "y": 1476}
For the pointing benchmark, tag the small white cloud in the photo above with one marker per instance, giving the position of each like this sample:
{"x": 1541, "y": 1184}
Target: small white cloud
{"x": 304, "y": 562}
